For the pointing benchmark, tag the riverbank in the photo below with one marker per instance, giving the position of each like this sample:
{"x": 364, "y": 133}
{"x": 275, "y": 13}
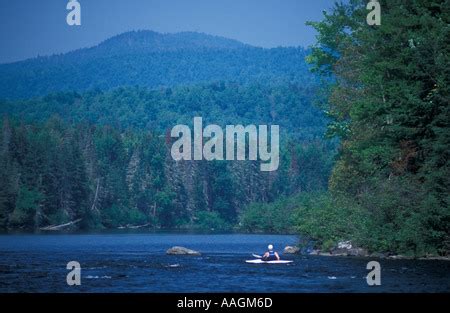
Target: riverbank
{"x": 347, "y": 249}
{"x": 378, "y": 255}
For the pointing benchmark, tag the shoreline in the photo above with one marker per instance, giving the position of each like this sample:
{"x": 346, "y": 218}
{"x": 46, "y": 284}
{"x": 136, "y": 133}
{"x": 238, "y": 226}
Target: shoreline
{"x": 378, "y": 255}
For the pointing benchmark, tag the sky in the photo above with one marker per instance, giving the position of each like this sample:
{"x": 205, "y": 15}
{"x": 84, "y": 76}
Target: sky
{"x": 31, "y": 28}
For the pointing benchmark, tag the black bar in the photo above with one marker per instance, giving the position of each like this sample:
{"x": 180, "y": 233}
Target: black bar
{"x": 223, "y": 302}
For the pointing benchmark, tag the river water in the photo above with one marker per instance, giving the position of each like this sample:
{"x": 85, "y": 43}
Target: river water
{"x": 138, "y": 263}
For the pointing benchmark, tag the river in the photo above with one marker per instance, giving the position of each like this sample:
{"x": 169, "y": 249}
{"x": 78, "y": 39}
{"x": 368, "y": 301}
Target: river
{"x": 137, "y": 263}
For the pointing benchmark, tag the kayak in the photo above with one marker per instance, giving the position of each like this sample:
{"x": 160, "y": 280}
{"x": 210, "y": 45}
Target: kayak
{"x": 259, "y": 261}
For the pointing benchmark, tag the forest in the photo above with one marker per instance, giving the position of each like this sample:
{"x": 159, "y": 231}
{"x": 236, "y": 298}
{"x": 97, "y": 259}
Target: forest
{"x": 104, "y": 157}
{"x": 387, "y": 100}
{"x": 82, "y": 144}
{"x": 389, "y": 105}
{"x": 364, "y": 119}
{"x": 57, "y": 172}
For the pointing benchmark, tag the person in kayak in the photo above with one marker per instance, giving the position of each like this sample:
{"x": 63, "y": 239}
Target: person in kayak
{"x": 270, "y": 255}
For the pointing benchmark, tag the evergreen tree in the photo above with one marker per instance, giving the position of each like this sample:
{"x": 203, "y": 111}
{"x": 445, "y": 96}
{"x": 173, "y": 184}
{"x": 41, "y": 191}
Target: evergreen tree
{"x": 389, "y": 105}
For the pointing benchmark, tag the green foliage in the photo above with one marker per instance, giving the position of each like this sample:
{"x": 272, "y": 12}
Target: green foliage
{"x": 137, "y": 108}
{"x": 275, "y": 217}
{"x": 94, "y": 141}
{"x": 205, "y": 220}
{"x": 116, "y": 216}
{"x": 388, "y": 102}
{"x": 112, "y": 178}
{"x": 329, "y": 220}
{"x": 26, "y": 209}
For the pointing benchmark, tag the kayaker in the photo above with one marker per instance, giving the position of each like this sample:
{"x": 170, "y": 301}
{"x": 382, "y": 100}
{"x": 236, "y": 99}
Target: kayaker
{"x": 270, "y": 255}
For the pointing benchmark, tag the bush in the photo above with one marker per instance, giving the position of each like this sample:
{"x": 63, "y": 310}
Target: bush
{"x": 136, "y": 217}
{"x": 381, "y": 221}
{"x": 116, "y": 216}
{"x": 205, "y": 220}
{"x": 275, "y": 217}
{"x": 323, "y": 219}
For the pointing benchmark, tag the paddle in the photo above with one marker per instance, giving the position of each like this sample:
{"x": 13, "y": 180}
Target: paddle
{"x": 257, "y": 256}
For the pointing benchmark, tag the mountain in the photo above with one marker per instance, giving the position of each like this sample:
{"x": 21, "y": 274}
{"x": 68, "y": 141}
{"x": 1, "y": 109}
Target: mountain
{"x": 150, "y": 41}
{"x": 84, "y": 135}
{"x": 147, "y": 58}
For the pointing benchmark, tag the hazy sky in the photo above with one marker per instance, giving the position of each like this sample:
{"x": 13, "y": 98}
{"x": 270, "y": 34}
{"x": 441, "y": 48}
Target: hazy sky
{"x": 30, "y": 28}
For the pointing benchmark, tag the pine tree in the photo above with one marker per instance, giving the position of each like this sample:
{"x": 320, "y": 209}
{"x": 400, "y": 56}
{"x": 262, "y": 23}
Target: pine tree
{"x": 389, "y": 104}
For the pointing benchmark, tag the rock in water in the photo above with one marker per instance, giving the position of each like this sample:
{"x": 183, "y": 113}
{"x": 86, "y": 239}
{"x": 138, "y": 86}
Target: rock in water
{"x": 378, "y": 255}
{"x": 182, "y": 251}
{"x": 291, "y": 250}
{"x": 346, "y": 248}
{"x": 314, "y": 252}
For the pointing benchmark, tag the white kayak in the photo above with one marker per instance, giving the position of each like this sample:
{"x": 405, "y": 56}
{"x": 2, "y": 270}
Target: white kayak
{"x": 259, "y": 261}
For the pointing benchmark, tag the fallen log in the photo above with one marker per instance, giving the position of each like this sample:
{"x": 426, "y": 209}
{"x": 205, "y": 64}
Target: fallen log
{"x": 58, "y": 227}
{"x": 133, "y": 226}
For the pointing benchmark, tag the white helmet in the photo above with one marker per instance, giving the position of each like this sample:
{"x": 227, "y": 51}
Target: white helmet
{"x": 270, "y": 247}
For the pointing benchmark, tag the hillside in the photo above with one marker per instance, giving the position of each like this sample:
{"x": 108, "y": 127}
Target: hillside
{"x": 84, "y": 134}
{"x": 289, "y": 106}
{"x": 150, "y": 59}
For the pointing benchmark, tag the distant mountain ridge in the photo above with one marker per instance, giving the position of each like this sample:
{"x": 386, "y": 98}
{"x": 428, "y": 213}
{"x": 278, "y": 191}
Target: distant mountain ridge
{"x": 147, "y": 41}
{"x": 152, "y": 41}
{"x": 151, "y": 59}
{"x": 90, "y": 142}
